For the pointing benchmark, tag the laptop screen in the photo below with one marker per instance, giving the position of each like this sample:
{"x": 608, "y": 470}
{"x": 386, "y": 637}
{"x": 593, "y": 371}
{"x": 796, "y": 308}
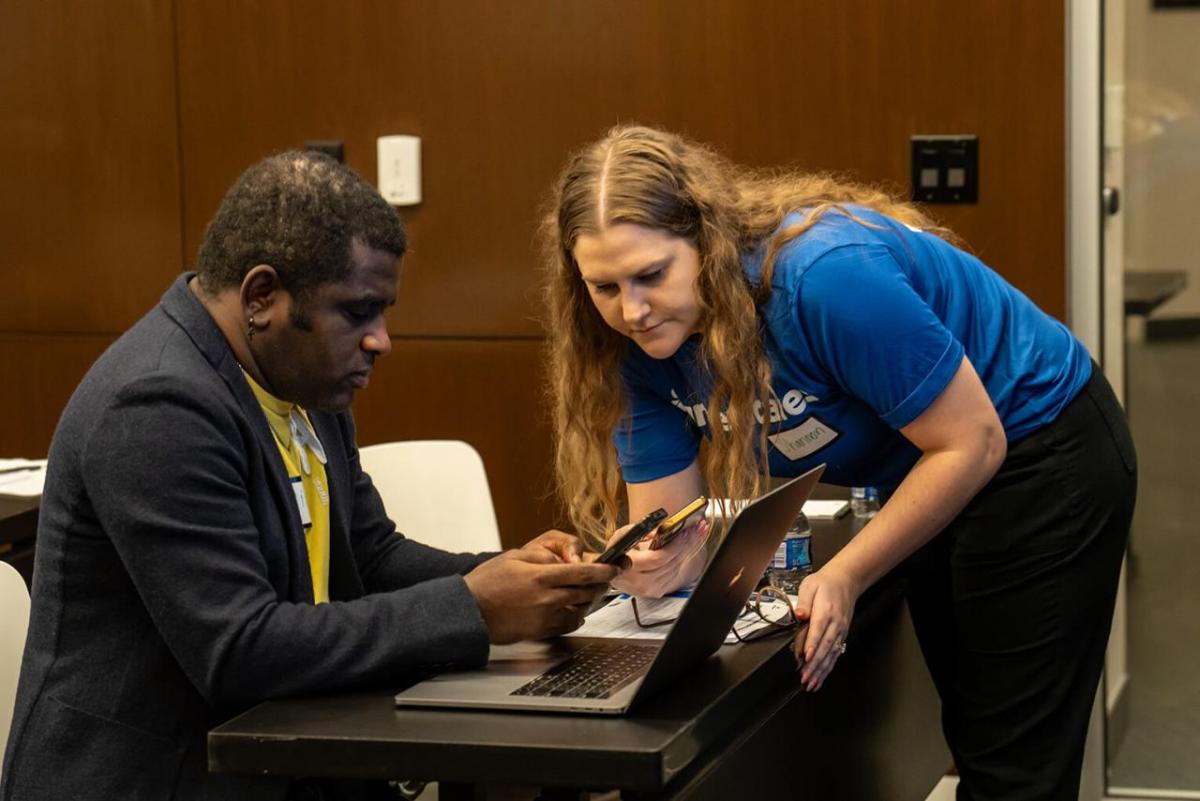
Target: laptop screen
{"x": 728, "y": 580}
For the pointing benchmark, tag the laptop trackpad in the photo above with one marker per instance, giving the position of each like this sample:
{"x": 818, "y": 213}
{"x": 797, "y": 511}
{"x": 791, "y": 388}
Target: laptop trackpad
{"x": 508, "y": 667}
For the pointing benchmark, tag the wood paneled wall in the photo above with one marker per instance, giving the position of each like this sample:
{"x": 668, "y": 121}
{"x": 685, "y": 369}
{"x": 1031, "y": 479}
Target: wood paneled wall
{"x": 127, "y": 120}
{"x": 90, "y": 229}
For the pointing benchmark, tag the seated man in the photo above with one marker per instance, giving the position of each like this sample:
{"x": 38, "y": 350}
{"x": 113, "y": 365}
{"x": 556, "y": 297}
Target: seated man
{"x": 208, "y": 538}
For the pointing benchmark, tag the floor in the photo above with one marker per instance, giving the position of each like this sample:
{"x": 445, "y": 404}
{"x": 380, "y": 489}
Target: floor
{"x": 1162, "y": 742}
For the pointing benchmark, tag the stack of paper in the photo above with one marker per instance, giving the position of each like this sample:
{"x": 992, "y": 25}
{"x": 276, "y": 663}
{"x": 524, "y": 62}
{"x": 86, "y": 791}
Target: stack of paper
{"x": 825, "y": 510}
{"x": 22, "y": 478}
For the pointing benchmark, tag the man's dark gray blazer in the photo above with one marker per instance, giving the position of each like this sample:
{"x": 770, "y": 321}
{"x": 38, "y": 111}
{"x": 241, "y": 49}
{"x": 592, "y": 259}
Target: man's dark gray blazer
{"x": 172, "y": 586}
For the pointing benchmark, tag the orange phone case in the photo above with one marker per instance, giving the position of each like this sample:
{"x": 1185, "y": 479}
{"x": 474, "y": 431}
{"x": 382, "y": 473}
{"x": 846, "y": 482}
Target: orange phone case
{"x": 676, "y": 523}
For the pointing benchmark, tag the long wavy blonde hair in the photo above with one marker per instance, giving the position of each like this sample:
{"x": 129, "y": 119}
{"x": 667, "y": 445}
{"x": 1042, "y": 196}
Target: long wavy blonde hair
{"x": 657, "y": 179}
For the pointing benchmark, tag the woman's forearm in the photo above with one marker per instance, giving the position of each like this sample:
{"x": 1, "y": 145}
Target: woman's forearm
{"x": 937, "y": 488}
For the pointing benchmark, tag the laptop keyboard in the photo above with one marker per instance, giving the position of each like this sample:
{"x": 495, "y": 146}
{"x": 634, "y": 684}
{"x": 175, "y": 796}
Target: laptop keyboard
{"x": 596, "y": 670}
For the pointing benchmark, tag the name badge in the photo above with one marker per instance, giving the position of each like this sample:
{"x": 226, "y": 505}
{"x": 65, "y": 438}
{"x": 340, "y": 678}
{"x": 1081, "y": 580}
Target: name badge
{"x": 301, "y": 502}
{"x": 804, "y": 440}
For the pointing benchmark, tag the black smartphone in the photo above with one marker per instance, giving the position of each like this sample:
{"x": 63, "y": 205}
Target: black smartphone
{"x": 631, "y": 538}
{"x": 679, "y": 522}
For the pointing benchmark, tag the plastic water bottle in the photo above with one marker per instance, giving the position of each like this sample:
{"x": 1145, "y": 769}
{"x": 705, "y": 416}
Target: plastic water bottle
{"x": 793, "y": 559}
{"x": 864, "y": 501}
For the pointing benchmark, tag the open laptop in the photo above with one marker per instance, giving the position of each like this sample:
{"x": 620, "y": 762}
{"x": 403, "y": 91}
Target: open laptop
{"x": 610, "y": 676}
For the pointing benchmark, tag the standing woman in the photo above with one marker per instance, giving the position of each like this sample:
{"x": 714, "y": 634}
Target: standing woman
{"x": 790, "y": 320}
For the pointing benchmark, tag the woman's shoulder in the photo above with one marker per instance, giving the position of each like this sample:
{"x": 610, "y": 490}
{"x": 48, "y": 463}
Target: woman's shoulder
{"x": 836, "y": 227}
{"x": 833, "y": 235}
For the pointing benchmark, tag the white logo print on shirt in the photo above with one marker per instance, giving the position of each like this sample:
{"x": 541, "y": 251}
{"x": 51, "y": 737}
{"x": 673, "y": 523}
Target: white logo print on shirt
{"x": 793, "y": 404}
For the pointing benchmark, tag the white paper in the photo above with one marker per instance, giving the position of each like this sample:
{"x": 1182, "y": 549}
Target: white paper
{"x": 814, "y": 510}
{"x": 22, "y": 482}
{"x": 825, "y": 510}
{"x": 615, "y": 620}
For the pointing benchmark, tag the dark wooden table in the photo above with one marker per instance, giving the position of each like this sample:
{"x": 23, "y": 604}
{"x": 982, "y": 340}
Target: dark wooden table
{"x": 739, "y": 725}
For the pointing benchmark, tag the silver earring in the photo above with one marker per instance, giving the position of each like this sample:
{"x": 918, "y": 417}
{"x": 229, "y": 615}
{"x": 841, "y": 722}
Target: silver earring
{"x": 250, "y": 329}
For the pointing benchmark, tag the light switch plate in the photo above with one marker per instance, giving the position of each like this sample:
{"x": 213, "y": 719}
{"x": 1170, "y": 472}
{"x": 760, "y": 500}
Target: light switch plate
{"x": 945, "y": 169}
{"x": 399, "y": 159}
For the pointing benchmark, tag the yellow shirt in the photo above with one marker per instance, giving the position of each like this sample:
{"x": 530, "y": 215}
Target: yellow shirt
{"x": 306, "y": 470}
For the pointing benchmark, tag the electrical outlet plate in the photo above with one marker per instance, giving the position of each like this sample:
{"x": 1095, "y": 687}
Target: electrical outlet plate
{"x": 399, "y": 160}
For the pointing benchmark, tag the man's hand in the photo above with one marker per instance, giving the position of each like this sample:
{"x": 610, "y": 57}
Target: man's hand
{"x": 565, "y": 547}
{"x": 536, "y": 591}
{"x": 654, "y": 574}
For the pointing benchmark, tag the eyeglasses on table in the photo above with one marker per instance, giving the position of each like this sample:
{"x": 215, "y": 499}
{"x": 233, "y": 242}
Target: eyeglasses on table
{"x": 770, "y": 604}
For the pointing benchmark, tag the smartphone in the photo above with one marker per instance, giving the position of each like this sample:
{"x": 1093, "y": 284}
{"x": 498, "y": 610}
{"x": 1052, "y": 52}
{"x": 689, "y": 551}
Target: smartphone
{"x": 631, "y": 538}
{"x": 679, "y": 522}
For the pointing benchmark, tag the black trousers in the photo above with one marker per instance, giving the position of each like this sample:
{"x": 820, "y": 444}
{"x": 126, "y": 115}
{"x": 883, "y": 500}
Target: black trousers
{"x": 1012, "y": 603}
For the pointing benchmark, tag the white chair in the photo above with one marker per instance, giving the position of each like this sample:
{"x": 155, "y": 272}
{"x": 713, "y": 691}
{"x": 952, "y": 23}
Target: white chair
{"x": 436, "y": 491}
{"x": 14, "y": 622}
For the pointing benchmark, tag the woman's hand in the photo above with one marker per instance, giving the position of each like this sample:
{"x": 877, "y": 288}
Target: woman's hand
{"x": 653, "y": 574}
{"x": 826, "y": 601}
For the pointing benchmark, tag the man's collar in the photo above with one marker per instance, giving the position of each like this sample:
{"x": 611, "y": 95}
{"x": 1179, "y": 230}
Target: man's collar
{"x": 181, "y": 305}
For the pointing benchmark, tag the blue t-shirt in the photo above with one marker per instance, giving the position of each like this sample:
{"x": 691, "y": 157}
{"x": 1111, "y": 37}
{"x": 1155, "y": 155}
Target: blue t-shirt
{"x": 864, "y": 328}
